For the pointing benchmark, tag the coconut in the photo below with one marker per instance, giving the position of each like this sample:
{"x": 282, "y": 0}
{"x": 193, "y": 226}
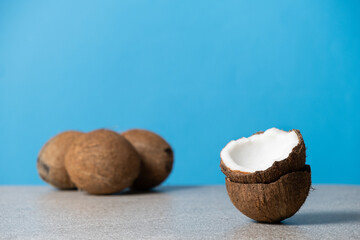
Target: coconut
{"x": 102, "y": 162}
{"x": 50, "y": 161}
{"x": 263, "y": 157}
{"x": 272, "y": 202}
{"x": 156, "y": 155}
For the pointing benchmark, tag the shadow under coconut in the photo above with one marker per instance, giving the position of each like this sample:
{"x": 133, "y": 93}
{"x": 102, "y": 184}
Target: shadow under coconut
{"x": 55, "y": 190}
{"x": 328, "y": 217}
{"x": 256, "y": 230}
{"x": 156, "y": 190}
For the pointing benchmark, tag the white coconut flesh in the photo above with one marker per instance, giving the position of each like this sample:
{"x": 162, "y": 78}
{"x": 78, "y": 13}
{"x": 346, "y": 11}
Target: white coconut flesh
{"x": 260, "y": 151}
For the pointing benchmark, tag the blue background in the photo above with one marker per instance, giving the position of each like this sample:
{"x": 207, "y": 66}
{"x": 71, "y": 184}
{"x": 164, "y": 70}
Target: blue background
{"x": 200, "y": 73}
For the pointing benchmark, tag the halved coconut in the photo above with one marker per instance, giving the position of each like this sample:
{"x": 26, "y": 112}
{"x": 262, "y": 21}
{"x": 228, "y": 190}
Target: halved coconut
{"x": 263, "y": 157}
{"x": 271, "y": 202}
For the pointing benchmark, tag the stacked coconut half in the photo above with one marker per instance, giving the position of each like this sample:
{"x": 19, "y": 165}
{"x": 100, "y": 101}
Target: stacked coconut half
{"x": 266, "y": 175}
{"x": 104, "y": 161}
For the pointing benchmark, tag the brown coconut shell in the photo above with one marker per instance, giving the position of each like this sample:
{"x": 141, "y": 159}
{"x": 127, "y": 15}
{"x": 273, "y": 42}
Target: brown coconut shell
{"x": 271, "y": 202}
{"x": 294, "y": 162}
{"x": 50, "y": 161}
{"x": 156, "y": 155}
{"x": 102, "y": 162}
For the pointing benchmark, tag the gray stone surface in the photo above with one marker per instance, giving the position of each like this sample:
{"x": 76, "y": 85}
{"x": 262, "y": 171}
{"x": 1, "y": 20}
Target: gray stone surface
{"x": 330, "y": 212}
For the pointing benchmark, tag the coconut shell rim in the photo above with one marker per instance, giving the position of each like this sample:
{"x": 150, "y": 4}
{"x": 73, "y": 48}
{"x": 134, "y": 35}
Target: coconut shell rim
{"x": 306, "y": 168}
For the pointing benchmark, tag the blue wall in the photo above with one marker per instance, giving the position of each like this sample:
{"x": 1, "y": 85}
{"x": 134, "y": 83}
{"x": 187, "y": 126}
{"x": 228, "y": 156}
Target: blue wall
{"x": 200, "y": 73}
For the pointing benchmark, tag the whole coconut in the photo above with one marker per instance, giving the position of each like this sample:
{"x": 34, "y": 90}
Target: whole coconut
{"x": 50, "y": 162}
{"x": 156, "y": 155}
{"x": 102, "y": 162}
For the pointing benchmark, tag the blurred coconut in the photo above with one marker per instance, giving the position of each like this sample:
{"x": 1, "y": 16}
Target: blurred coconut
{"x": 102, "y": 162}
{"x": 156, "y": 158}
{"x": 50, "y": 162}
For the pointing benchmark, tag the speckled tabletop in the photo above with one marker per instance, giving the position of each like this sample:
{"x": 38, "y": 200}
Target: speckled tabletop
{"x": 204, "y": 212}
